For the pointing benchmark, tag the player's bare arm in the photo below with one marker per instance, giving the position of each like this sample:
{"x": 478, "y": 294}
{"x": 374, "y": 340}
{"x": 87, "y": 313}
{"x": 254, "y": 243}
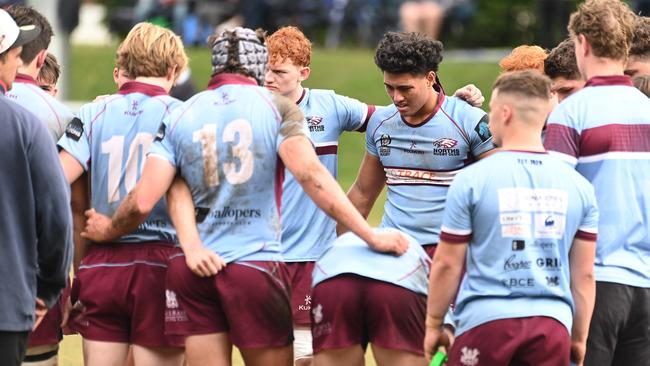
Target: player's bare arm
{"x": 157, "y": 176}
{"x": 71, "y": 166}
{"x": 299, "y": 157}
{"x": 583, "y": 290}
{"x": 79, "y": 203}
{"x": 200, "y": 260}
{"x": 366, "y": 188}
{"x": 446, "y": 270}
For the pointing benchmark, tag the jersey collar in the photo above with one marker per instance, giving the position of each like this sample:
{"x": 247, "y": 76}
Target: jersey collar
{"x": 222, "y": 78}
{"x": 144, "y": 88}
{"x": 24, "y": 78}
{"x": 441, "y": 98}
{"x": 610, "y": 80}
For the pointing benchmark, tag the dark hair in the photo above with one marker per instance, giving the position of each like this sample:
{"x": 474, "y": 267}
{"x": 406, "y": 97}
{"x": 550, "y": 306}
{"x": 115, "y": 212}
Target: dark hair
{"x": 26, "y": 15}
{"x": 641, "y": 39}
{"x": 413, "y": 53}
{"x": 561, "y": 62}
{"x": 527, "y": 83}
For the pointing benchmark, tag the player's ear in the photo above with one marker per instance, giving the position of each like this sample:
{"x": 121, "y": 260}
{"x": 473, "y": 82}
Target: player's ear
{"x": 431, "y": 78}
{"x": 304, "y": 73}
{"x": 40, "y": 58}
{"x": 173, "y": 73}
{"x": 582, "y": 45}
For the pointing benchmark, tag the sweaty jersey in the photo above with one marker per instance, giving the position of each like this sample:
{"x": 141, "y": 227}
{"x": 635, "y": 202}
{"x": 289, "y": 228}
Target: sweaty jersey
{"x": 110, "y": 139}
{"x": 45, "y": 107}
{"x": 306, "y": 229}
{"x": 350, "y": 254}
{"x": 604, "y": 132}
{"x": 420, "y": 162}
{"x": 520, "y": 212}
{"x": 224, "y": 141}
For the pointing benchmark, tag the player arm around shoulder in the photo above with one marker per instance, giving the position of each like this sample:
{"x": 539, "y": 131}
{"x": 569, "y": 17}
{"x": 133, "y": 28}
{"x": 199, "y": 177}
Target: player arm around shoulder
{"x": 200, "y": 260}
{"x": 298, "y": 155}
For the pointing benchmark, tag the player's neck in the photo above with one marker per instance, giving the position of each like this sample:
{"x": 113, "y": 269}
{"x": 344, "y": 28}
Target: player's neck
{"x": 30, "y": 70}
{"x": 523, "y": 140}
{"x": 602, "y": 67}
{"x": 296, "y": 94}
{"x": 425, "y": 112}
{"x": 162, "y": 82}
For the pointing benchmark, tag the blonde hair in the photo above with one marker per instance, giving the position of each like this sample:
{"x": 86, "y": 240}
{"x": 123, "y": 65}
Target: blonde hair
{"x": 150, "y": 50}
{"x": 524, "y": 58}
{"x": 289, "y": 43}
{"x": 608, "y": 26}
{"x": 50, "y": 72}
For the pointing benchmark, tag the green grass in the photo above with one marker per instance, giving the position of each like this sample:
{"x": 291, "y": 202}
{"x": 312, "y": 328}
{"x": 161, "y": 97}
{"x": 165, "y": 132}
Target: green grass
{"x": 349, "y": 72}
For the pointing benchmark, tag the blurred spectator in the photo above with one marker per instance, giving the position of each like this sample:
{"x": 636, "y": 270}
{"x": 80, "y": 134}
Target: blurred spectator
{"x": 424, "y": 16}
{"x": 553, "y": 17}
{"x": 524, "y": 58}
{"x": 160, "y": 11}
{"x": 643, "y": 83}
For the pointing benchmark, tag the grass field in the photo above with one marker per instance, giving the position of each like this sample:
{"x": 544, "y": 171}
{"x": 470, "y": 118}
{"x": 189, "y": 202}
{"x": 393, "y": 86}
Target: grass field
{"x": 349, "y": 72}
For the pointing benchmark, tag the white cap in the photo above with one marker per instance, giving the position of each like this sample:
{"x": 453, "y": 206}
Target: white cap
{"x": 11, "y": 35}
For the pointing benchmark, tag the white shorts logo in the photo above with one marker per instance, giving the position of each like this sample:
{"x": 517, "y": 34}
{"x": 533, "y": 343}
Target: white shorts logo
{"x": 469, "y": 356}
{"x": 318, "y": 313}
{"x": 170, "y": 299}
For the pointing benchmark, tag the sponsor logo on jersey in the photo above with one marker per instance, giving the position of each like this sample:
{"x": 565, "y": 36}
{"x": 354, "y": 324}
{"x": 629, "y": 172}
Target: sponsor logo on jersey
{"x": 170, "y": 299}
{"x": 201, "y": 213}
{"x": 307, "y": 305}
{"x": 445, "y": 147}
{"x": 413, "y": 149}
{"x": 518, "y": 245}
{"x": 134, "y": 110}
{"x": 318, "y": 313}
{"x": 315, "y": 124}
{"x": 519, "y": 282}
{"x": 75, "y": 129}
{"x": 513, "y": 263}
{"x": 552, "y": 281}
{"x": 549, "y": 263}
{"x": 236, "y": 213}
{"x": 482, "y": 129}
{"x": 225, "y": 99}
{"x": 384, "y": 142}
{"x": 469, "y": 356}
{"x": 160, "y": 135}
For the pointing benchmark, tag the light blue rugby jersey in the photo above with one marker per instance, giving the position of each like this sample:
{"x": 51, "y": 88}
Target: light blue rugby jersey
{"x": 50, "y": 111}
{"x": 520, "y": 212}
{"x": 110, "y": 139}
{"x": 421, "y": 161}
{"x": 604, "y": 132}
{"x": 224, "y": 141}
{"x": 350, "y": 254}
{"x": 306, "y": 229}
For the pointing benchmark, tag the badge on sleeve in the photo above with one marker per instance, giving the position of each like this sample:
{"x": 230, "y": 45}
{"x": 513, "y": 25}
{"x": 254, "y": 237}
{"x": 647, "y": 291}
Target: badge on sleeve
{"x": 482, "y": 129}
{"x": 75, "y": 129}
{"x": 160, "y": 135}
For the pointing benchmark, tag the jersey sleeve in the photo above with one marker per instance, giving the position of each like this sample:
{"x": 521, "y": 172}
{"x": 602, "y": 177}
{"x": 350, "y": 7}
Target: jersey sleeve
{"x": 353, "y": 114}
{"x": 163, "y": 146}
{"x": 292, "y": 120}
{"x": 562, "y": 138}
{"x": 480, "y": 137}
{"x": 371, "y": 148}
{"x": 588, "y": 229}
{"x": 76, "y": 139}
{"x": 457, "y": 220}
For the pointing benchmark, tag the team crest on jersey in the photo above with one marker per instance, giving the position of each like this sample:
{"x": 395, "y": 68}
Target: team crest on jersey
{"x": 384, "y": 142}
{"x": 160, "y": 135}
{"x": 315, "y": 124}
{"x": 75, "y": 129}
{"x": 482, "y": 129}
{"x": 469, "y": 356}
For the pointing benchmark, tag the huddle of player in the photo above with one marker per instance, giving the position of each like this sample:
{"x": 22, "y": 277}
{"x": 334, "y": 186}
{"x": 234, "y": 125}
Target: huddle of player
{"x": 203, "y": 236}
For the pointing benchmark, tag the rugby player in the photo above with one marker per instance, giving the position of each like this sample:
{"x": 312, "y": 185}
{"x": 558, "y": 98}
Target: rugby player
{"x": 225, "y": 143}
{"x": 638, "y": 62}
{"x": 119, "y": 289}
{"x": 561, "y": 67}
{"x": 524, "y": 57}
{"x": 417, "y": 145}
{"x": 643, "y": 84}
{"x": 603, "y": 131}
{"x": 376, "y": 298}
{"x": 43, "y": 342}
{"x": 49, "y": 74}
{"x": 306, "y": 230}
{"x": 525, "y": 226}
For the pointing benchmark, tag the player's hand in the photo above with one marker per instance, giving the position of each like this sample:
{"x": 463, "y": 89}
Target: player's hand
{"x": 471, "y": 94}
{"x": 436, "y": 338}
{"x": 97, "y": 226}
{"x": 389, "y": 242}
{"x": 578, "y": 350}
{"x": 203, "y": 262}
{"x": 100, "y": 97}
{"x": 39, "y": 312}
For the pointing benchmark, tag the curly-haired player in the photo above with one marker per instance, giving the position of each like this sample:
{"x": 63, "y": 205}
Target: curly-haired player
{"x": 638, "y": 62}
{"x": 524, "y": 58}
